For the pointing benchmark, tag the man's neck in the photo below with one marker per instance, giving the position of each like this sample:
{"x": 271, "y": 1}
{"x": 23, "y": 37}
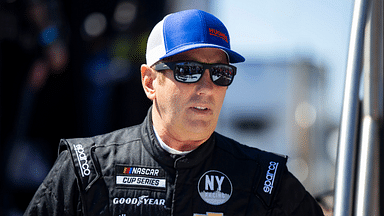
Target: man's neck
{"x": 167, "y": 148}
{"x": 184, "y": 142}
{"x": 178, "y": 145}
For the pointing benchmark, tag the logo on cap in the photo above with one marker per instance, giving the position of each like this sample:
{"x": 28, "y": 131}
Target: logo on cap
{"x": 218, "y": 34}
{"x": 214, "y": 187}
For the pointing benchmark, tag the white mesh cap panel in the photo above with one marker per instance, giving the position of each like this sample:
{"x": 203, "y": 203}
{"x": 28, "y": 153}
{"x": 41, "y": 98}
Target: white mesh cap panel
{"x": 155, "y": 44}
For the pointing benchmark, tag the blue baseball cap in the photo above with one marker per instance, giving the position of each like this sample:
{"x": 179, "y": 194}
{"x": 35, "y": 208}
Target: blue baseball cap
{"x": 187, "y": 30}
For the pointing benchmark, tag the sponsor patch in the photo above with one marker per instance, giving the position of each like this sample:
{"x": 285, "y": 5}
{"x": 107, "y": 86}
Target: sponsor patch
{"x": 270, "y": 177}
{"x": 209, "y": 214}
{"x": 140, "y": 181}
{"x": 82, "y": 159}
{"x": 214, "y": 187}
{"x": 135, "y": 176}
{"x": 142, "y": 200}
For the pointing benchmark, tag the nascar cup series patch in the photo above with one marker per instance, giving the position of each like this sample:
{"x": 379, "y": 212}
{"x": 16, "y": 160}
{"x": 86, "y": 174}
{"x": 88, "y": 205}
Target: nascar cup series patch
{"x": 214, "y": 187}
{"x": 137, "y": 176}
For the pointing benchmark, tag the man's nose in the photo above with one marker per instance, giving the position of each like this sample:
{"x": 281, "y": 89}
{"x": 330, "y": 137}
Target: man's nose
{"x": 205, "y": 83}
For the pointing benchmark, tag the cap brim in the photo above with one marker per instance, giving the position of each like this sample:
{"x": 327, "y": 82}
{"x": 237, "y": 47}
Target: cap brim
{"x": 234, "y": 57}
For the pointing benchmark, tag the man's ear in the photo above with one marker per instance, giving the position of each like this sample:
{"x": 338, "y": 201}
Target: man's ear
{"x": 148, "y": 76}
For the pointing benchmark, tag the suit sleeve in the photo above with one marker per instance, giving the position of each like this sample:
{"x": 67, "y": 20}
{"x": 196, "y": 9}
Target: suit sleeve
{"x": 293, "y": 200}
{"x": 59, "y": 193}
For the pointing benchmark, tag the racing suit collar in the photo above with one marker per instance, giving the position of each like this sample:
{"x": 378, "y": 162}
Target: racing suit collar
{"x": 152, "y": 145}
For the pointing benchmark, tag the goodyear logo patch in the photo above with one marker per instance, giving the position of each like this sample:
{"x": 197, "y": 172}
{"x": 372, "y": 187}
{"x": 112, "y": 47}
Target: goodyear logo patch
{"x": 135, "y": 176}
{"x": 214, "y": 187}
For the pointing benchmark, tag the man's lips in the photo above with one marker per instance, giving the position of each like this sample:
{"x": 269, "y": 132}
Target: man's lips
{"x": 204, "y": 110}
{"x": 200, "y": 108}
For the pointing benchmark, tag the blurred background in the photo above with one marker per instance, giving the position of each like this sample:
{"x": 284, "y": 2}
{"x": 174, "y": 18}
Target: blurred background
{"x": 71, "y": 69}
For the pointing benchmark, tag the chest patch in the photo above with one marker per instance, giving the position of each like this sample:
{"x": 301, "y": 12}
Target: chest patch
{"x": 136, "y": 176}
{"x": 214, "y": 187}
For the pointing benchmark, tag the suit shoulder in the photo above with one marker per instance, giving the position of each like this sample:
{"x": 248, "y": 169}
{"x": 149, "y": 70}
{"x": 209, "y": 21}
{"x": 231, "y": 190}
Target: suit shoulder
{"x": 243, "y": 151}
{"x": 120, "y": 136}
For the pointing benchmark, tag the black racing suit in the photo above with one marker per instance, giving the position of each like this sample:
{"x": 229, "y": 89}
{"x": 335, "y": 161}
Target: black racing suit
{"x": 126, "y": 172}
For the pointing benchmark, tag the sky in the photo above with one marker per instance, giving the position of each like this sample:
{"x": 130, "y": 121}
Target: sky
{"x": 280, "y": 28}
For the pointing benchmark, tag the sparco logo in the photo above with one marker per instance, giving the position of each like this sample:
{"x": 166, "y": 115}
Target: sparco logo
{"x": 142, "y": 200}
{"x": 270, "y": 177}
{"x": 82, "y": 158}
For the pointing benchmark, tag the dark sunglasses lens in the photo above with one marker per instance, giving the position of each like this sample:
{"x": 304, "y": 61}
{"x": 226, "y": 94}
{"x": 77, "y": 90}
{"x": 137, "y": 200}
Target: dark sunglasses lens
{"x": 188, "y": 72}
{"x": 222, "y": 75}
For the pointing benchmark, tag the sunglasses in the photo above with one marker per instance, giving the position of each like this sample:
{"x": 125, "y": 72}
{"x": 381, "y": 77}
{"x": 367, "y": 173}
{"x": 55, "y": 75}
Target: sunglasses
{"x": 191, "y": 72}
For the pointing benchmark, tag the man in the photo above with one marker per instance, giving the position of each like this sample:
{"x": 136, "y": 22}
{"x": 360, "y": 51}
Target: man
{"x": 174, "y": 163}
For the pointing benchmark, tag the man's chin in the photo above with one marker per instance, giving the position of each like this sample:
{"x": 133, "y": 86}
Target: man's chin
{"x": 201, "y": 128}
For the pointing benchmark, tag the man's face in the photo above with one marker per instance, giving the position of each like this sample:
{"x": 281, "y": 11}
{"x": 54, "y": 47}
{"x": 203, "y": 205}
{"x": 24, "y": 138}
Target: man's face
{"x": 189, "y": 112}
